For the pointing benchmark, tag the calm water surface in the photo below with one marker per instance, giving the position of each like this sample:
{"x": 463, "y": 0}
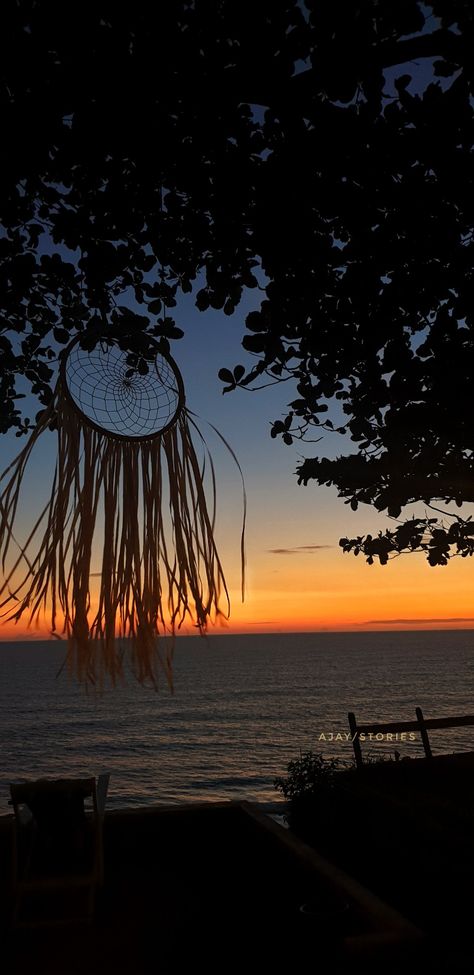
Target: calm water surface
{"x": 244, "y": 706}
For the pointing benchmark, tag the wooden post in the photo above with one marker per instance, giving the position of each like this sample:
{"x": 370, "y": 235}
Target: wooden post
{"x": 423, "y": 733}
{"x": 355, "y": 739}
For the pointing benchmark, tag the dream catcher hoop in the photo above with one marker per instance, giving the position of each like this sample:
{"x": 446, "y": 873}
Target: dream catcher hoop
{"x": 115, "y": 398}
{"x": 126, "y": 460}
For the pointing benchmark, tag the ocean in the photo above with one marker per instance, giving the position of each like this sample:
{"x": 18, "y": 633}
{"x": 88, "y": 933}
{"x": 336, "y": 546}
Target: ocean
{"x": 243, "y": 708}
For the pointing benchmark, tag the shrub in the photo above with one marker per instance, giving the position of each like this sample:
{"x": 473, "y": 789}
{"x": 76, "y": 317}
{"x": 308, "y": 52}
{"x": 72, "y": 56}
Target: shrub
{"x": 306, "y": 775}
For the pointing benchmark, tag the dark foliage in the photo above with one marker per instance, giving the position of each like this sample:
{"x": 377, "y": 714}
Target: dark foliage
{"x": 147, "y": 144}
{"x": 306, "y": 776}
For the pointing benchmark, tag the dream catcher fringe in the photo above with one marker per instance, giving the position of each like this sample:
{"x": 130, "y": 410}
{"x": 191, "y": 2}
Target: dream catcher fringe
{"x": 125, "y": 459}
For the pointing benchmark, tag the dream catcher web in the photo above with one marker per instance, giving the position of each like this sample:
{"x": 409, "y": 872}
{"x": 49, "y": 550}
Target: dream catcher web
{"x": 118, "y": 399}
{"x": 126, "y": 459}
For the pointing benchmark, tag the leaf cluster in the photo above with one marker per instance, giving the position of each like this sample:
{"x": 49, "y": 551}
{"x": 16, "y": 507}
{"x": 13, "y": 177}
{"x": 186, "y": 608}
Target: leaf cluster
{"x": 282, "y": 146}
{"x": 429, "y": 535}
{"x": 306, "y": 775}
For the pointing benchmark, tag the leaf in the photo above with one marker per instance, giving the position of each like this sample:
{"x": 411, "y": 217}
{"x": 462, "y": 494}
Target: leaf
{"x": 402, "y": 82}
{"x": 61, "y": 335}
{"x": 298, "y": 404}
{"x": 254, "y": 343}
{"x": 155, "y": 306}
{"x": 44, "y": 372}
{"x": 277, "y": 427}
{"x": 216, "y": 299}
{"x": 163, "y": 345}
{"x": 249, "y": 280}
{"x": 239, "y": 372}
{"x": 202, "y": 300}
{"x": 169, "y": 329}
{"x": 443, "y": 69}
{"x": 225, "y": 376}
{"x": 255, "y": 322}
{"x": 394, "y": 510}
{"x": 148, "y": 262}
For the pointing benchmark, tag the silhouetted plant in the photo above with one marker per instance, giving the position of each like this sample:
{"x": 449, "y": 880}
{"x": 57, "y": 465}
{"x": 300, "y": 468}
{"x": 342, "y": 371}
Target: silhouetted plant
{"x": 306, "y": 775}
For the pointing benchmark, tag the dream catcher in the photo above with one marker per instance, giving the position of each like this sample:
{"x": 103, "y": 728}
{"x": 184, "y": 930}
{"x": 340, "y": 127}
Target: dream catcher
{"x": 126, "y": 462}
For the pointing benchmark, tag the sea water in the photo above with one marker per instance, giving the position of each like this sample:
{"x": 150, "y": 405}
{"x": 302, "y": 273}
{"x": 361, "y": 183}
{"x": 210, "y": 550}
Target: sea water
{"x": 243, "y": 708}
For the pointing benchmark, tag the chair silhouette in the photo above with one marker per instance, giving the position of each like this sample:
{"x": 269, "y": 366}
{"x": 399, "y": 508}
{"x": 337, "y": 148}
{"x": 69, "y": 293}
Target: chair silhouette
{"x": 57, "y": 850}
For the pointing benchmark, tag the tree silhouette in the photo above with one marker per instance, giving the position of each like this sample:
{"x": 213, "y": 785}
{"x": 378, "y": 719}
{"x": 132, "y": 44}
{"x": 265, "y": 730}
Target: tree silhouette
{"x": 324, "y": 148}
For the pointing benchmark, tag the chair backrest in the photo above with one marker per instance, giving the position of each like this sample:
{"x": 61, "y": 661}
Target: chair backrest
{"x": 54, "y": 797}
{"x": 59, "y": 831}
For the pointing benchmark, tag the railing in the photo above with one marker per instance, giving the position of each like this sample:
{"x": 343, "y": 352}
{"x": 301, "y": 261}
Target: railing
{"x": 421, "y": 726}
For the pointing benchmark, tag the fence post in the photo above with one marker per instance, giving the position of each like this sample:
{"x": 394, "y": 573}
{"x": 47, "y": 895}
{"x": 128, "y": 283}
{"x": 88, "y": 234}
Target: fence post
{"x": 423, "y": 733}
{"x": 355, "y": 739}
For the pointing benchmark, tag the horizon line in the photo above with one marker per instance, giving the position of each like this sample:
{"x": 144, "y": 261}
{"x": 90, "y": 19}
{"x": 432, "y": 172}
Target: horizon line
{"x": 219, "y": 632}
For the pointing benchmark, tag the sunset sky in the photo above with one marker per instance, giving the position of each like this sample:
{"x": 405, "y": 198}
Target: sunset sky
{"x": 297, "y": 576}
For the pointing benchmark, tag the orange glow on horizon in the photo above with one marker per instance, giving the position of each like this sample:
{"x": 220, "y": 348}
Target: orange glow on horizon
{"x": 329, "y": 591}
{"x": 255, "y": 628}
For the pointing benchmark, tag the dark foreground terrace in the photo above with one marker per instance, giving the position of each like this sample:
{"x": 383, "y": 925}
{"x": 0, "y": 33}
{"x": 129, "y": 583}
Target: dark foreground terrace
{"x": 216, "y": 887}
